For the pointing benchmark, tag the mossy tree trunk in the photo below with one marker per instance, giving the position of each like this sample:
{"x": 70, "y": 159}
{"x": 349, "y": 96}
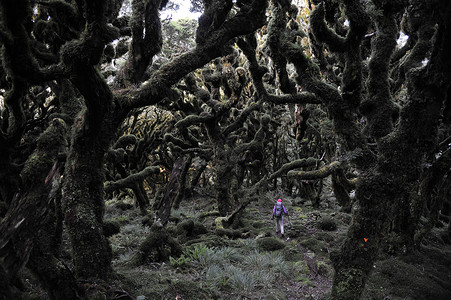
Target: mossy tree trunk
{"x": 387, "y": 193}
{"x": 83, "y": 202}
{"x": 182, "y": 191}
{"x": 31, "y": 231}
{"x": 171, "y": 190}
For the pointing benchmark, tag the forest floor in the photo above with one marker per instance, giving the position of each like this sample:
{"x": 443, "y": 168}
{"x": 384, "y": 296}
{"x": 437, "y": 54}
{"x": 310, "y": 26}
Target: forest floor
{"x": 252, "y": 262}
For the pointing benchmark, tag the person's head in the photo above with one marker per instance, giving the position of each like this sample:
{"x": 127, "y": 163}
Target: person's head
{"x": 279, "y": 200}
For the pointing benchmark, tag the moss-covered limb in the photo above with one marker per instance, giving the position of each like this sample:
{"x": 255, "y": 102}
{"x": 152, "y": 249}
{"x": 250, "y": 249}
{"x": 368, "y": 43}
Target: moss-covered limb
{"x": 352, "y": 73}
{"x": 125, "y": 140}
{"x": 131, "y": 180}
{"x": 157, "y": 87}
{"x": 242, "y": 117}
{"x": 146, "y": 39}
{"x": 175, "y": 141}
{"x": 432, "y": 194}
{"x": 308, "y": 77}
{"x": 214, "y": 15}
{"x": 18, "y": 58}
{"x": 191, "y": 84}
{"x": 249, "y": 45}
{"x": 182, "y": 187}
{"x": 195, "y": 177}
{"x": 194, "y": 119}
{"x": 323, "y": 33}
{"x": 14, "y": 103}
{"x": 275, "y": 25}
{"x": 424, "y": 29}
{"x": 379, "y": 108}
{"x": 300, "y": 163}
{"x": 316, "y": 174}
{"x": 256, "y": 143}
{"x": 203, "y": 152}
{"x": 341, "y": 187}
{"x": 226, "y": 221}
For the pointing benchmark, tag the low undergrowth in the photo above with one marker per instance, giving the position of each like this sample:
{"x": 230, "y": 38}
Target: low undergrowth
{"x": 255, "y": 263}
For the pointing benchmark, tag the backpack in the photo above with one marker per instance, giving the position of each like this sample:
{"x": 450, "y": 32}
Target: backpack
{"x": 279, "y": 210}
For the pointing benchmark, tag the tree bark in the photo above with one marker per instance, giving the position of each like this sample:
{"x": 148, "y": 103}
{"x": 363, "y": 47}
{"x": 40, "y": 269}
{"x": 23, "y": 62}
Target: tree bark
{"x": 172, "y": 187}
{"x": 386, "y": 194}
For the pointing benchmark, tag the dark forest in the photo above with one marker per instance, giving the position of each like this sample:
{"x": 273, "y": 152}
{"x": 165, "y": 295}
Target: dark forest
{"x": 141, "y": 155}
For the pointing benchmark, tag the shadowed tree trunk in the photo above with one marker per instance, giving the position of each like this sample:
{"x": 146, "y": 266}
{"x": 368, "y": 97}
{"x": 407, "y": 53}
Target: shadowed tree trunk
{"x": 83, "y": 203}
{"x": 386, "y": 193}
{"x": 172, "y": 188}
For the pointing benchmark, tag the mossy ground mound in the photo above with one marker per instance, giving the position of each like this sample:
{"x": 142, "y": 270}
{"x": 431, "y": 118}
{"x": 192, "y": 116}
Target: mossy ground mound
{"x": 422, "y": 275}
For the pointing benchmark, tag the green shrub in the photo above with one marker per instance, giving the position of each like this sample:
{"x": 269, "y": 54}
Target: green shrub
{"x": 180, "y": 262}
{"x": 189, "y": 254}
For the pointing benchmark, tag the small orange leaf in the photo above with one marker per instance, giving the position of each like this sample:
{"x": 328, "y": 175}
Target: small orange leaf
{"x": 365, "y": 239}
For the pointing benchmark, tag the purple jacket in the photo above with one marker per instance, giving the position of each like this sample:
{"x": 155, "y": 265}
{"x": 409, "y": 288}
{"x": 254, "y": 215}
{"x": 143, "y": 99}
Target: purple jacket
{"x": 274, "y": 210}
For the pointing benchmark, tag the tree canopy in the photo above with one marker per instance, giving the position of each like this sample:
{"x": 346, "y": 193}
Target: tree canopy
{"x": 99, "y": 98}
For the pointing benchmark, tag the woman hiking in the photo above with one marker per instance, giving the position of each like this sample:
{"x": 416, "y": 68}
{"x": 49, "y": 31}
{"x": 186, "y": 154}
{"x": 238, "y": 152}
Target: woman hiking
{"x": 278, "y": 212}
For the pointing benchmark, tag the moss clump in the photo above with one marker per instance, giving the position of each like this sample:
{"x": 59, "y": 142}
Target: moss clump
{"x": 258, "y": 224}
{"x": 323, "y": 268}
{"x": 157, "y": 247}
{"x": 349, "y": 284}
{"x": 317, "y": 246}
{"x": 324, "y": 236}
{"x": 296, "y": 231}
{"x": 292, "y": 253}
{"x": 327, "y": 223}
{"x": 231, "y": 233}
{"x": 396, "y": 278}
{"x": 270, "y": 244}
{"x": 189, "y": 229}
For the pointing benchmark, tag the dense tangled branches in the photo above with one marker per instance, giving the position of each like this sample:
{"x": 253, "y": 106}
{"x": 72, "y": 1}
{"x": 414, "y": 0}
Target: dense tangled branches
{"x": 263, "y": 94}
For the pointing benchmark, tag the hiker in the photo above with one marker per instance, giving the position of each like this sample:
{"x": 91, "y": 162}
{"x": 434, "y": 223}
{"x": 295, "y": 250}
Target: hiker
{"x": 278, "y": 212}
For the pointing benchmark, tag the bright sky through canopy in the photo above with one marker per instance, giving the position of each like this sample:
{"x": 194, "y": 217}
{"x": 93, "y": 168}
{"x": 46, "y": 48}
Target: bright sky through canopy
{"x": 182, "y": 12}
